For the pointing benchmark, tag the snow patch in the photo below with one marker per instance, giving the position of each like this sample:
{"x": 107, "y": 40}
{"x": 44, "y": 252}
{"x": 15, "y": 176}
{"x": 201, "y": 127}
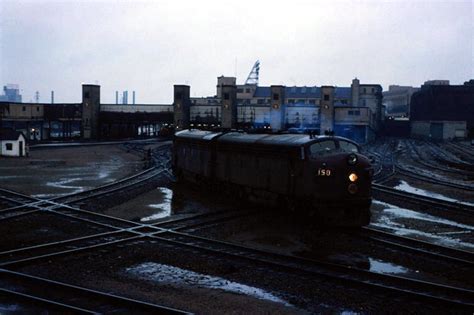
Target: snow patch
{"x": 391, "y": 213}
{"x": 386, "y": 268}
{"x": 404, "y": 186}
{"x": 164, "y": 207}
{"x": 177, "y": 276}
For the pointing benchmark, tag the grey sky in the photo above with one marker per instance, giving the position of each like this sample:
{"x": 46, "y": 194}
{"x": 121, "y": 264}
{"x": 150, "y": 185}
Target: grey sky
{"x": 149, "y": 46}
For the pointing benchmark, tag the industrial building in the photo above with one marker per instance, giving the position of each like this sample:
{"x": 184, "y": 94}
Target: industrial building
{"x": 354, "y": 112}
{"x": 86, "y": 120}
{"x": 397, "y": 101}
{"x": 11, "y": 93}
{"x": 443, "y": 111}
{"x": 437, "y": 111}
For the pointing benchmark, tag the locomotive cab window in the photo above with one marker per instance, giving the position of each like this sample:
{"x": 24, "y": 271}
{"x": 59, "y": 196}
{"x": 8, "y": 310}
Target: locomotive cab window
{"x": 348, "y": 147}
{"x": 322, "y": 148}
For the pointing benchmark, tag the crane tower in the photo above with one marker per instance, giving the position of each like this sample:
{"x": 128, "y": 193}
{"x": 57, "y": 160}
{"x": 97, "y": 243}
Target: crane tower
{"x": 253, "y": 75}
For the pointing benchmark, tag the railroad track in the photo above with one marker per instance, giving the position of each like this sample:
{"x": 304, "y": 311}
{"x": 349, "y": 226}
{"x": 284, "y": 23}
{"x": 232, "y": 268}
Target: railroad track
{"x": 388, "y": 170}
{"x": 203, "y": 220}
{"x": 64, "y": 297}
{"x": 417, "y": 175}
{"x": 415, "y": 289}
{"x": 110, "y": 188}
{"x": 463, "y": 153}
{"x": 419, "y": 159}
{"x": 14, "y": 198}
{"x": 119, "y": 231}
{"x": 161, "y": 160}
{"x": 417, "y": 246}
{"x": 424, "y": 200}
{"x": 20, "y": 204}
{"x": 385, "y": 162}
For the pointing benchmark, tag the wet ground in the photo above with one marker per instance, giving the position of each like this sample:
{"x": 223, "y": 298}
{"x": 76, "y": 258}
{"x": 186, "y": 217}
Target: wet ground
{"x": 53, "y": 172}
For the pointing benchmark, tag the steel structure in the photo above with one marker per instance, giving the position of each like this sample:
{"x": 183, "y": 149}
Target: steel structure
{"x": 253, "y": 75}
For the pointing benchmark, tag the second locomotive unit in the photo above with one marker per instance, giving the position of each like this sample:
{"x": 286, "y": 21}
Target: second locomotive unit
{"x": 325, "y": 177}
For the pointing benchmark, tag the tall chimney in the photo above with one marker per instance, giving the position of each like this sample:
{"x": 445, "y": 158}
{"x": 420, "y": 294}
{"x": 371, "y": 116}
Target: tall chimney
{"x": 52, "y": 97}
{"x": 125, "y": 97}
{"x": 133, "y": 97}
{"x": 116, "y": 97}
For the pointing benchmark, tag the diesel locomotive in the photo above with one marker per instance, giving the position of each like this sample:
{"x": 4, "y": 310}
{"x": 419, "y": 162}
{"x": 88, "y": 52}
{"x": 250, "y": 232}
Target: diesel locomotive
{"x": 323, "y": 177}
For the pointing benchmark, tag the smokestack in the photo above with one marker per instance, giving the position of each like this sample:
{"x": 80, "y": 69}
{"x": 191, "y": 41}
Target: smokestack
{"x": 125, "y": 97}
{"x": 116, "y": 97}
{"x": 133, "y": 96}
{"x": 52, "y": 97}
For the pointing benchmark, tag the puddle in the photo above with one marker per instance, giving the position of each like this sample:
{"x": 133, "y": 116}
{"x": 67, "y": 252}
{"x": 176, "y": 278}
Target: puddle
{"x": 391, "y": 213}
{"x": 177, "y": 276}
{"x": 163, "y": 207}
{"x": 386, "y": 268}
{"x": 404, "y": 186}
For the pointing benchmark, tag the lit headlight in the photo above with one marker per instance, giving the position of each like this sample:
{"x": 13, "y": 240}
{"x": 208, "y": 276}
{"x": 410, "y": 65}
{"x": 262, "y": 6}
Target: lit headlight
{"x": 352, "y": 159}
{"x": 353, "y": 177}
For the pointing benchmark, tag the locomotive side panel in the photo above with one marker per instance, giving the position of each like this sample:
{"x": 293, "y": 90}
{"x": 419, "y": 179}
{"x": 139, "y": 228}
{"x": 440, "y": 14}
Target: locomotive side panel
{"x": 310, "y": 176}
{"x": 193, "y": 158}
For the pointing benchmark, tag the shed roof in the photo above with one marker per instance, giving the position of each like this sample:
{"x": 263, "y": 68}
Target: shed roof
{"x": 8, "y": 134}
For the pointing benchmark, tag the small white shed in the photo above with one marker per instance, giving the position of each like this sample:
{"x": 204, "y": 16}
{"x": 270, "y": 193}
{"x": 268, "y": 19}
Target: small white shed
{"x": 12, "y": 143}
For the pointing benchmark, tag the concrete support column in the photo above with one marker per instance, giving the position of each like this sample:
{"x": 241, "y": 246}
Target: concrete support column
{"x": 229, "y": 107}
{"x": 90, "y": 111}
{"x": 181, "y": 106}
{"x": 277, "y": 110}
{"x": 327, "y": 109}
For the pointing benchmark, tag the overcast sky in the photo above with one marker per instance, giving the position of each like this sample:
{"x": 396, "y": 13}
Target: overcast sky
{"x": 149, "y": 46}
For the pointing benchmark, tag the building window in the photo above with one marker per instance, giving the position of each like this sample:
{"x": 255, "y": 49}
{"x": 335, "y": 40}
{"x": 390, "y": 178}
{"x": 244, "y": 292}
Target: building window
{"x": 357, "y": 113}
{"x": 363, "y": 102}
{"x": 24, "y": 108}
{"x": 291, "y": 101}
{"x": 276, "y": 97}
{"x": 240, "y": 90}
{"x": 312, "y": 102}
{"x": 37, "y": 108}
{"x": 350, "y": 113}
{"x": 372, "y": 90}
{"x": 365, "y": 90}
{"x": 303, "y": 90}
{"x": 326, "y": 97}
{"x": 247, "y": 90}
{"x": 226, "y": 96}
{"x": 301, "y": 101}
{"x": 9, "y": 146}
{"x": 260, "y": 101}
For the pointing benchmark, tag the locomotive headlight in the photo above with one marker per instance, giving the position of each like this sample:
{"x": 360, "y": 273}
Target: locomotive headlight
{"x": 353, "y": 177}
{"x": 352, "y": 159}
